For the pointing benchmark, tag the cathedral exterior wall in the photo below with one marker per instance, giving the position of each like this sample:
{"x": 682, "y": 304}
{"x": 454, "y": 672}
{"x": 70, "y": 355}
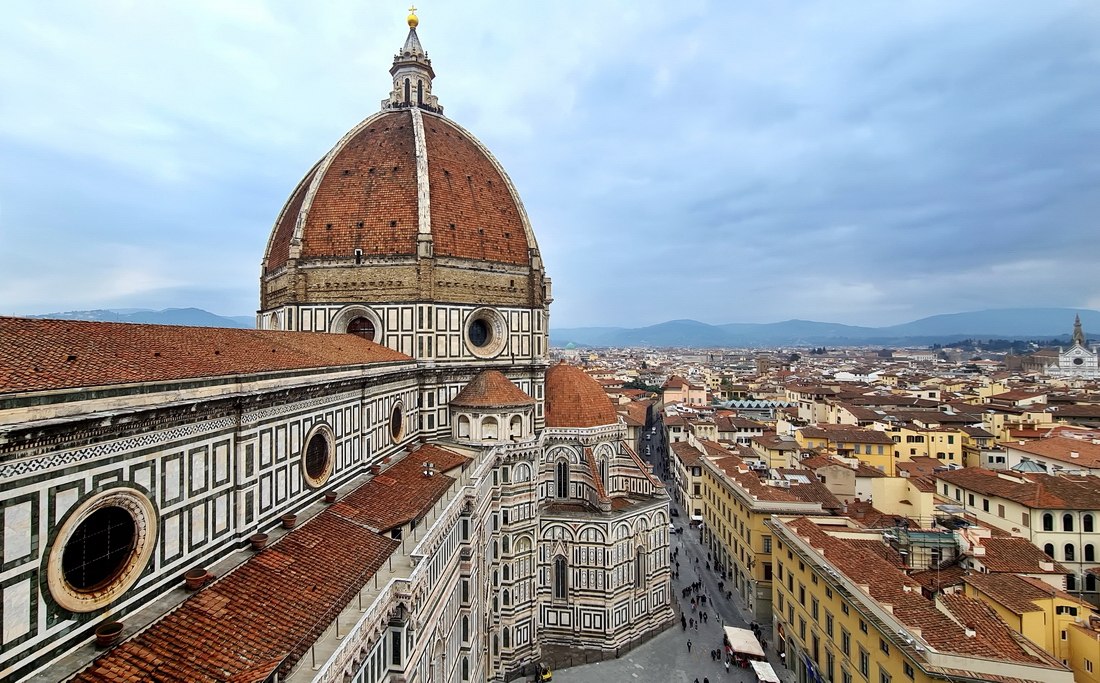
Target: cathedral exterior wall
{"x": 213, "y": 472}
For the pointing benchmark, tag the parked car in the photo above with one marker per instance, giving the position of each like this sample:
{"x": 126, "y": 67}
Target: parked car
{"x": 674, "y": 512}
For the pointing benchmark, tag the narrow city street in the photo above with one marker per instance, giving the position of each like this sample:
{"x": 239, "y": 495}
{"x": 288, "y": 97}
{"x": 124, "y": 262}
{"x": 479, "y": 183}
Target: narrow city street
{"x": 668, "y": 657}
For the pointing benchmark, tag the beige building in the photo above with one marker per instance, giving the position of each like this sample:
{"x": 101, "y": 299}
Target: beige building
{"x": 1056, "y": 514}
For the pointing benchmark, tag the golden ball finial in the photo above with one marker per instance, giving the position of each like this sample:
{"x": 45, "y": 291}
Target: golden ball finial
{"x": 413, "y": 21}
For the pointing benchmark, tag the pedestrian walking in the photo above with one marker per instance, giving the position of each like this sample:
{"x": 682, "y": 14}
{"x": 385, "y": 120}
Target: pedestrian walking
{"x": 689, "y": 646}
{"x": 727, "y": 665}
{"x": 683, "y": 623}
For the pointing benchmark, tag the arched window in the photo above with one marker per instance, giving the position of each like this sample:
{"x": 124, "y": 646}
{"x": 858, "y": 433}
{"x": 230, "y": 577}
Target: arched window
{"x": 1086, "y": 524}
{"x": 465, "y": 628}
{"x": 563, "y": 478}
{"x": 639, "y": 567}
{"x": 407, "y": 93}
{"x": 1090, "y": 553}
{"x": 561, "y": 580}
{"x": 465, "y": 668}
{"x": 507, "y": 637}
{"x": 515, "y": 428}
{"x": 362, "y": 327}
{"x": 1067, "y": 522}
{"x": 507, "y": 601}
{"x": 463, "y": 427}
{"x": 603, "y": 472}
{"x": 1049, "y": 549}
{"x": 1048, "y": 522}
{"x": 419, "y": 92}
{"x": 1070, "y": 552}
{"x": 1071, "y": 582}
{"x": 489, "y": 429}
{"x": 1090, "y": 583}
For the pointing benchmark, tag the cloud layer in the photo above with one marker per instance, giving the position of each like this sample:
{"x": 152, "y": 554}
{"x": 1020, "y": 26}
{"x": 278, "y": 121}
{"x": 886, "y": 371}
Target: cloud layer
{"x": 853, "y": 162}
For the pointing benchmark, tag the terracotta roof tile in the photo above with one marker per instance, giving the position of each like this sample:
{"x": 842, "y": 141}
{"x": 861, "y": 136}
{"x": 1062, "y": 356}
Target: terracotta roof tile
{"x": 888, "y": 585}
{"x": 573, "y": 399}
{"x": 474, "y": 214}
{"x": 42, "y": 355}
{"x": 490, "y": 388}
{"x": 264, "y": 614}
{"x": 1033, "y": 489}
{"x": 402, "y": 493}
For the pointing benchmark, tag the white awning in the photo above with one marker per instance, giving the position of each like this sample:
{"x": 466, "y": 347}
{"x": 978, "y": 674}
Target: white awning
{"x": 764, "y": 672}
{"x": 742, "y": 640}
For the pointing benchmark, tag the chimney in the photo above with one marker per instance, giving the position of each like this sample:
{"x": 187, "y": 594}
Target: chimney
{"x": 970, "y": 632}
{"x": 1074, "y": 454}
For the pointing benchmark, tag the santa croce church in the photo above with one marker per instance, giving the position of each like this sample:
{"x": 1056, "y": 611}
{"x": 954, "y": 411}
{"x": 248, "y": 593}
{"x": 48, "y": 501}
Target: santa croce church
{"x": 387, "y": 481}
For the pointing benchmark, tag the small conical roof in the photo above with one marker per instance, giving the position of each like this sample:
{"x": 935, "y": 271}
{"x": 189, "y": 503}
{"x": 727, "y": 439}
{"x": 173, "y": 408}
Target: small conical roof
{"x": 491, "y": 389}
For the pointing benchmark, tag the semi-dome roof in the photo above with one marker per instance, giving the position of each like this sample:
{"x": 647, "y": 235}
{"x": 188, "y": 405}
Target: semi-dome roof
{"x": 574, "y": 399}
{"x": 399, "y": 178}
{"x": 491, "y": 389}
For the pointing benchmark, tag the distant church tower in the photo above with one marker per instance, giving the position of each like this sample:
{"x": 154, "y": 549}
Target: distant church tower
{"x": 1078, "y": 361}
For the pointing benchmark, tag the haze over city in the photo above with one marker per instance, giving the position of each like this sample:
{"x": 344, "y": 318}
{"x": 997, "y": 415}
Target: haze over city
{"x": 862, "y": 164}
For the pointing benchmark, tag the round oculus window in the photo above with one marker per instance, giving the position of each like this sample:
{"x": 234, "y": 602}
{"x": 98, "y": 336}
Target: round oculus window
{"x": 486, "y": 333}
{"x": 1078, "y": 361}
{"x": 397, "y": 422}
{"x": 362, "y": 327}
{"x": 101, "y": 549}
{"x": 317, "y": 457}
{"x": 480, "y": 333}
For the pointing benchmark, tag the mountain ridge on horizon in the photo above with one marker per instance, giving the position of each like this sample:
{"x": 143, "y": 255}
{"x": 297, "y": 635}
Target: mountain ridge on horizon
{"x": 1004, "y": 323}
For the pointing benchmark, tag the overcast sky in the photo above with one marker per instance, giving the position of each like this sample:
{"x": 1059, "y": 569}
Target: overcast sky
{"x": 855, "y": 162}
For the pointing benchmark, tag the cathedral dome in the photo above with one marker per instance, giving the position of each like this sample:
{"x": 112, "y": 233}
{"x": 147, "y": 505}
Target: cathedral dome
{"x": 404, "y": 182}
{"x": 409, "y": 233}
{"x": 574, "y": 399}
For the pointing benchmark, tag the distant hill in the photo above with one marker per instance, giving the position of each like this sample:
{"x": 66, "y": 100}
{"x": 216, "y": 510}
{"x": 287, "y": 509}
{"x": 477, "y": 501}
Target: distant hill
{"x": 191, "y": 317}
{"x": 1008, "y": 323}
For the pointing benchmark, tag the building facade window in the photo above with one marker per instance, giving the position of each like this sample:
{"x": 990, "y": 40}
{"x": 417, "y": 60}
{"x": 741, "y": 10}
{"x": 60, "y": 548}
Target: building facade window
{"x": 561, "y": 578}
{"x": 563, "y": 478}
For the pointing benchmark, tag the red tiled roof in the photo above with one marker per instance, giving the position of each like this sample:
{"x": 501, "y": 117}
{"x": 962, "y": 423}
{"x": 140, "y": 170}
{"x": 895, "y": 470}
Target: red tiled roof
{"x": 1059, "y": 448}
{"x": 42, "y": 355}
{"x": 888, "y": 585}
{"x": 368, "y": 198}
{"x": 1014, "y": 592}
{"x": 1013, "y": 555}
{"x": 265, "y": 613}
{"x": 1033, "y": 489}
{"x": 401, "y": 493}
{"x": 468, "y": 193}
{"x": 573, "y": 399}
{"x": 490, "y": 388}
{"x": 847, "y": 435}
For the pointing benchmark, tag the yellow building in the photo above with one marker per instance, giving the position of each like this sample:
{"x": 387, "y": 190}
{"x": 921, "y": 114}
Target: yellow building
{"x": 925, "y": 438}
{"x": 842, "y": 612}
{"x": 1044, "y": 615}
{"x": 737, "y": 504}
{"x": 1084, "y": 643}
{"x": 870, "y": 446}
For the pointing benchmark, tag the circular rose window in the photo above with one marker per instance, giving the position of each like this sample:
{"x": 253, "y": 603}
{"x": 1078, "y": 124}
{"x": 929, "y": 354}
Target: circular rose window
{"x": 101, "y": 549}
{"x": 317, "y": 457}
{"x": 397, "y": 422}
{"x": 1078, "y": 361}
{"x": 486, "y": 333}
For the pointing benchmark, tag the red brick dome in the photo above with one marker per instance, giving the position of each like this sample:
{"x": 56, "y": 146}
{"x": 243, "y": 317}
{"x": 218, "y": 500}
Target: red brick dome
{"x": 491, "y": 389}
{"x": 400, "y": 179}
{"x": 574, "y": 399}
